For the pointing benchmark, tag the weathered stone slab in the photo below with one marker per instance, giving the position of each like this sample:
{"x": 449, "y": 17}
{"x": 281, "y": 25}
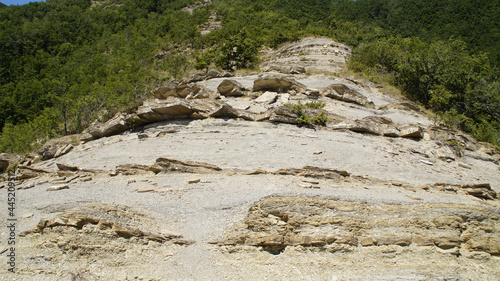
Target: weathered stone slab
{"x": 345, "y": 93}
{"x": 277, "y": 84}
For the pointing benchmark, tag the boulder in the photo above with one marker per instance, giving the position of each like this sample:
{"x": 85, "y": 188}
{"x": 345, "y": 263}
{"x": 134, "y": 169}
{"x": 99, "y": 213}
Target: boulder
{"x": 231, "y": 88}
{"x": 146, "y": 114}
{"x": 278, "y": 84}
{"x": 92, "y": 132}
{"x": 297, "y": 69}
{"x": 215, "y": 73}
{"x": 283, "y": 98}
{"x": 66, "y": 167}
{"x": 267, "y": 98}
{"x": 26, "y": 173}
{"x": 115, "y": 125}
{"x": 249, "y": 116}
{"x": 159, "y": 110}
{"x": 201, "y": 92}
{"x": 345, "y": 93}
{"x": 390, "y": 131}
{"x": 358, "y": 127}
{"x": 63, "y": 150}
{"x": 284, "y": 114}
{"x": 411, "y": 131}
{"x": 313, "y": 93}
{"x": 174, "y": 89}
{"x": 7, "y": 159}
{"x": 58, "y": 146}
{"x": 173, "y": 109}
{"x": 224, "y": 110}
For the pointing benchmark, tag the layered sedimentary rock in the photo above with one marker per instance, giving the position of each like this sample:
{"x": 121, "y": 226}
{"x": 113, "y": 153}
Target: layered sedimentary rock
{"x": 329, "y": 225}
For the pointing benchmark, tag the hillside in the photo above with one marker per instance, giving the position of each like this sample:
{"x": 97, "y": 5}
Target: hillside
{"x": 221, "y": 177}
{"x": 66, "y": 64}
{"x": 244, "y": 140}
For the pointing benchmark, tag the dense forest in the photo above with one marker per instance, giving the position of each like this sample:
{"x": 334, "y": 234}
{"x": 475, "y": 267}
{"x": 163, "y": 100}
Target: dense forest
{"x": 67, "y": 63}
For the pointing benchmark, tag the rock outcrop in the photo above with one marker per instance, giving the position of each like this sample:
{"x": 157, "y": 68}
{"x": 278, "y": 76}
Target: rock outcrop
{"x": 233, "y": 169}
{"x": 328, "y": 225}
{"x": 55, "y": 148}
{"x": 7, "y": 159}
{"x": 172, "y": 165}
{"x": 231, "y": 88}
{"x": 345, "y": 93}
{"x": 277, "y": 84}
{"x": 123, "y": 221}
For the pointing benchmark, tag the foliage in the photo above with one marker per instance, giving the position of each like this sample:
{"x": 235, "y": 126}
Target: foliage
{"x": 66, "y": 64}
{"x": 237, "y": 52}
{"x": 304, "y": 114}
{"x": 205, "y": 59}
{"x": 473, "y": 21}
{"x": 443, "y": 76}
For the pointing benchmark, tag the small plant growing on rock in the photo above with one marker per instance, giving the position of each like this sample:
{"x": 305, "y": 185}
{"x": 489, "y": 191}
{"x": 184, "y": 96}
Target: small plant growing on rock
{"x": 305, "y": 118}
{"x": 455, "y": 145}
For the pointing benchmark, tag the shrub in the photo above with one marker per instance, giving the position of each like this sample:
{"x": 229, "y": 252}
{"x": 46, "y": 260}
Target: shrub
{"x": 305, "y": 117}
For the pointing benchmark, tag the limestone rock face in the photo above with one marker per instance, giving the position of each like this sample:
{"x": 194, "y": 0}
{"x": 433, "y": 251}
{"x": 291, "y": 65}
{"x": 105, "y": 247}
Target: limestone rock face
{"x": 314, "y": 54}
{"x": 279, "y": 222}
{"x": 121, "y": 220}
{"x": 380, "y": 186}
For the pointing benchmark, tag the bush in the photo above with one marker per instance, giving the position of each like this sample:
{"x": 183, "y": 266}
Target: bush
{"x": 462, "y": 88}
{"x": 305, "y": 117}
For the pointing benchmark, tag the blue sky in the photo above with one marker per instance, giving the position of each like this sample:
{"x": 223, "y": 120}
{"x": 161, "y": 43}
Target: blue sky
{"x": 17, "y": 2}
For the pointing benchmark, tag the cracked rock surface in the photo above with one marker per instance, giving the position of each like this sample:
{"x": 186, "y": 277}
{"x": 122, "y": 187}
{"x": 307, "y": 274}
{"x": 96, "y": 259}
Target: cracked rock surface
{"x": 214, "y": 179}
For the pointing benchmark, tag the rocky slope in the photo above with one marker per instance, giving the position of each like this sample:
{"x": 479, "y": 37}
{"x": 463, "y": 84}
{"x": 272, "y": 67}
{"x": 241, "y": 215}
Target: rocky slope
{"x": 217, "y": 178}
